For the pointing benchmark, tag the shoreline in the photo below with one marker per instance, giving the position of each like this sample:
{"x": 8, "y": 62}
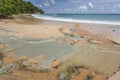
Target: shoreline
{"x": 53, "y": 18}
{"x": 88, "y": 38}
{"x": 108, "y": 31}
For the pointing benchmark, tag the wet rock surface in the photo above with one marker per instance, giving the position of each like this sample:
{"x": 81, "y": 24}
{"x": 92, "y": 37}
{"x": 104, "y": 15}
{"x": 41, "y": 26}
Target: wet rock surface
{"x": 31, "y": 47}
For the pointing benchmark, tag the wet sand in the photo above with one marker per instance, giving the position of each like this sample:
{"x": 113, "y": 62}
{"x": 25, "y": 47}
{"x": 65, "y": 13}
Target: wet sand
{"x": 42, "y": 42}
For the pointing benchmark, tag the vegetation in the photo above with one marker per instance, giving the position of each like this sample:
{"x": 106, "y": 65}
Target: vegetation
{"x": 1, "y": 55}
{"x": 89, "y": 77}
{"x": 10, "y": 7}
{"x": 70, "y": 71}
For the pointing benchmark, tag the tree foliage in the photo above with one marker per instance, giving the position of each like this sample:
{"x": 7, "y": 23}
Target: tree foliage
{"x": 10, "y": 7}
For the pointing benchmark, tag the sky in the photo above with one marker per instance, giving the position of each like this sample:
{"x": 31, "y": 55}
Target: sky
{"x": 78, "y": 6}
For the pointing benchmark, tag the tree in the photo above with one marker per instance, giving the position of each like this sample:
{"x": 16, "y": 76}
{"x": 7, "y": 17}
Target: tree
{"x": 10, "y": 7}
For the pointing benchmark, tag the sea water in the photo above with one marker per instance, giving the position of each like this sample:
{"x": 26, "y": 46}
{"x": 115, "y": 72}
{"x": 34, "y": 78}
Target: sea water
{"x": 112, "y": 19}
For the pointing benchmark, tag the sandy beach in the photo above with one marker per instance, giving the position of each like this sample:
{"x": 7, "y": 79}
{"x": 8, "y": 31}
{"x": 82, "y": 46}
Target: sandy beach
{"x": 61, "y": 48}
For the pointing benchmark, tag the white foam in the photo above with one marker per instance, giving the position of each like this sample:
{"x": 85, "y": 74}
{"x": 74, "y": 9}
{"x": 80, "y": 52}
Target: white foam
{"x": 75, "y": 20}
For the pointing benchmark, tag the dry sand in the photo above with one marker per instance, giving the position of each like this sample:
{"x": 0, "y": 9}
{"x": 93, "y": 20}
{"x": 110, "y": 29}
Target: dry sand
{"x": 28, "y": 27}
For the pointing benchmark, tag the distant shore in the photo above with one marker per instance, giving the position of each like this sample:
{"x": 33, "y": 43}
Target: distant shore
{"x": 94, "y": 45}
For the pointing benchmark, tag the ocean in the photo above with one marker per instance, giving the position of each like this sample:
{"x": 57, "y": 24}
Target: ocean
{"x": 112, "y": 19}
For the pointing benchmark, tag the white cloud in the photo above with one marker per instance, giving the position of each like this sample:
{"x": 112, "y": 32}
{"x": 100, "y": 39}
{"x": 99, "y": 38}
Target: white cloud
{"x": 46, "y": 4}
{"x": 91, "y": 5}
{"x": 76, "y": 1}
{"x": 68, "y": 9}
{"x": 40, "y": 5}
{"x": 101, "y": 8}
{"x": 52, "y": 1}
{"x": 83, "y": 8}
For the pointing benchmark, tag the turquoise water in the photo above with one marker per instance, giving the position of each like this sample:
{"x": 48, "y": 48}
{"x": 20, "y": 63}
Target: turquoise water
{"x": 113, "y": 19}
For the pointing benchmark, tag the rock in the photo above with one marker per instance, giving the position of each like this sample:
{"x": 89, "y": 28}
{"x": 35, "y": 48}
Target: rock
{"x": 94, "y": 41}
{"x": 5, "y": 69}
{"x": 89, "y": 77}
{"x": 114, "y": 38}
{"x": 3, "y": 45}
{"x": 113, "y": 30}
{"x": 0, "y": 64}
{"x": 55, "y": 64}
{"x": 5, "y": 29}
{"x": 116, "y": 41}
{"x": 73, "y": 30}
{"x": 69, "y": 72}
{"x": 63, "y": 76}
{"x": 21, "y": 64}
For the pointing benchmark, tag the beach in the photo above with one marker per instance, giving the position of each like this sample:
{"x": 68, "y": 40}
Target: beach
{"x": 56, "y": 45}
